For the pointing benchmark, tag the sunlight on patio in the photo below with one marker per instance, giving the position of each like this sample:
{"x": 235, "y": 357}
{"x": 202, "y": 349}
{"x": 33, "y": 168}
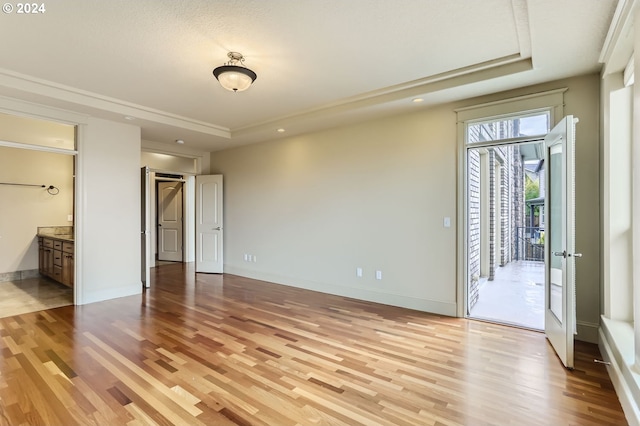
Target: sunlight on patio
{"x": 515, "y": 296}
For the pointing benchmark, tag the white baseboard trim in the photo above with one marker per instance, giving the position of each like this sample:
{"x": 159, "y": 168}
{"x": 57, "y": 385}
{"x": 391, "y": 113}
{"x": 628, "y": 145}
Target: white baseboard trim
{"x": 110, "y": 293}
{"x": 424, "y": 305}
{"x": 619, "y": 370}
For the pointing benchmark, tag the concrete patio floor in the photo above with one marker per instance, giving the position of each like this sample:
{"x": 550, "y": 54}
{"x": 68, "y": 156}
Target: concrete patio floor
{"x": 515, "y": 296}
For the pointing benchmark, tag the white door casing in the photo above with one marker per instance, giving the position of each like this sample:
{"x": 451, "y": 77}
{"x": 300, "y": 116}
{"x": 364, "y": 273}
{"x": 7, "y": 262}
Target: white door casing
{"x": 209, "y": 224}
{"x": 170, "y": 223}
{"x": 145, "y": 221}
{"x": 560, "y": 309}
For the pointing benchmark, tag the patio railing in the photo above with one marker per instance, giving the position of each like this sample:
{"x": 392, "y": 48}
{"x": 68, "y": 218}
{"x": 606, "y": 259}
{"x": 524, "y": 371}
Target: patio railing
{"x": 529, "y": 243}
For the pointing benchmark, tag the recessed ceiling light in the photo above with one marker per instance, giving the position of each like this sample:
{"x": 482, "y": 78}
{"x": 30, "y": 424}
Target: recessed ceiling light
{"x": 179, "y": 141}
{"x": 417, "y": 100}
{"x": 280, "y": 130}
{"x": 128, "y": 117}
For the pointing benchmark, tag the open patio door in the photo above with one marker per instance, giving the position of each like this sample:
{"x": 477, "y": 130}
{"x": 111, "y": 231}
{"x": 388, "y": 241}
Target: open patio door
{"x": 209, "y": 230}
{"x": 560, "y": 309}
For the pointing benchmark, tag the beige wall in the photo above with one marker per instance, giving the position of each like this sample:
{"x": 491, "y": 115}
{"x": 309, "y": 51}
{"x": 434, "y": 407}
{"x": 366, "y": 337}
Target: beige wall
{"x": 583, "y": 101}
{"x": 23, "y": 209}
{"x": 313, "y": 208}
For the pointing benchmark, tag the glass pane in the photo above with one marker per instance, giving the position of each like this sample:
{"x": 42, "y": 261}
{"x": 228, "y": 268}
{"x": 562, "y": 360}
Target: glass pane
{"x": 555, "y": 224}
{"x": 508, "y": 128}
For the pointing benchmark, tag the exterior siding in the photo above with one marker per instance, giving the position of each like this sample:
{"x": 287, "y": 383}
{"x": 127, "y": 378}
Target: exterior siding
{"x": 474, "y": 226}
{"x": 505, "y": 201}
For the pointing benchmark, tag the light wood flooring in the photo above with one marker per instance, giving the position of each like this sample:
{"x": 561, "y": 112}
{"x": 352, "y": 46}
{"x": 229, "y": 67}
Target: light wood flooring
{"x": 31, "y": 295}
{"x": 201, "y": 349}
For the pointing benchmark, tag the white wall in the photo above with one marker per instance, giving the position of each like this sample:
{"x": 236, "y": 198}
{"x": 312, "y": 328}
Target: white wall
{"x": 108, "y": 211}
{"x": 23, "y": 208}
{"x": 617, "y": 262}
{"x": 313, "y": 208}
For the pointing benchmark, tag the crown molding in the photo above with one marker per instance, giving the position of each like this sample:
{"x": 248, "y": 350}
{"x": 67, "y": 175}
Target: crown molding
{"x": 618, "y": 44}
{"x": 483, "y": 71}
{"x": 49, "y": 89}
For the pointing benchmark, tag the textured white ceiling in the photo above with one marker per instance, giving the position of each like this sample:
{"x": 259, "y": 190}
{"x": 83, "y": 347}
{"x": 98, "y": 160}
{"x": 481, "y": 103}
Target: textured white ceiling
{"x": 319, "y": 62}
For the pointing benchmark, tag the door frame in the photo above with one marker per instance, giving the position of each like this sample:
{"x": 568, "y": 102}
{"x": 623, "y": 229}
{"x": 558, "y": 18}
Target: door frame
{"x": 188, "y": 203}
{"x": 484, "y": 211}
{"x": 41, "y": 112}
{"x": 552, "y": 101}
{"x": 159, "y": 236}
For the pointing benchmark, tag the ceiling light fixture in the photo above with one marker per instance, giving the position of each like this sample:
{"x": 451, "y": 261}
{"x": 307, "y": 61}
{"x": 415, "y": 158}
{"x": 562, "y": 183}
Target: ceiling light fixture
{"x": 179, "y": 141}
{"x": 233, "y": 75}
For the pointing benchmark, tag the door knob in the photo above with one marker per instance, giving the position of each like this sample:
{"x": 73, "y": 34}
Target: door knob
{"x": 215, "y": 229}
{"x": 562, "y": 253}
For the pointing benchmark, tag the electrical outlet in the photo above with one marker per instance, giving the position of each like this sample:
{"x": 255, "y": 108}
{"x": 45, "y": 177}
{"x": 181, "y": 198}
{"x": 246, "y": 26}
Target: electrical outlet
{"x": 359, "y": 272}
{"x": 254, "y": 259}
{"x": 378, "y": 275}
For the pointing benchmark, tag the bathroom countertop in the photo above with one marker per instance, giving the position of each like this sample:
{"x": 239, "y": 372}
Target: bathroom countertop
{"x": 62, "y": 237}
{"x": 63, "y": 233}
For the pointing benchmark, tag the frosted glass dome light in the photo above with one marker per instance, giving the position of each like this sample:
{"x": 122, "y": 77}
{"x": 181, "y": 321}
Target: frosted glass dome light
{"x": 233, "y": 76}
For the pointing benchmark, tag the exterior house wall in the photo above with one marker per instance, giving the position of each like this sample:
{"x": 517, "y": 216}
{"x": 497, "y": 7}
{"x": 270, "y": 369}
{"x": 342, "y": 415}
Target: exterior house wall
{"x": 492, "y": 214}
{"x": 506, "y": 201}
{"x": 474, "y": 226}
{"x": 517, "y": 204}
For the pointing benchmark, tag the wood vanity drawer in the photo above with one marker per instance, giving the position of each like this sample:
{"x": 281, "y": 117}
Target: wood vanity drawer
{"x": 57, "y": 257}
{"x": 47, "y": 243}
{"x": 57, "y": 273}
{"x": 67, "y": 247}
{"x": 57, "y": 244}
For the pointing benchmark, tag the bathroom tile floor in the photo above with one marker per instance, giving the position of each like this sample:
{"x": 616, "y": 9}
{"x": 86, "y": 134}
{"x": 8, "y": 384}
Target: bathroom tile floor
{"x": 31, "y": 295}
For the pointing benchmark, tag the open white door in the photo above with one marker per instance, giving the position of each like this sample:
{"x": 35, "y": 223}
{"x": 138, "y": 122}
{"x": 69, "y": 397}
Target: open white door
{"x": 145, "y": 233}
{"x": 170, "y": 223}
{"x": 209, "y": 226}
{"x": 560, "y": 309}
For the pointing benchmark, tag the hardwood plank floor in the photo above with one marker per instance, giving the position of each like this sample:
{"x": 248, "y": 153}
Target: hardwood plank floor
{"x": 201, "y": 349}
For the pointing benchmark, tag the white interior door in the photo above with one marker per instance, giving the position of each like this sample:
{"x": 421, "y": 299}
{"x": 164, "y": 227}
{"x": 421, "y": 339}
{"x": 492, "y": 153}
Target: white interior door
{"x": 145, "y": 233}
{"x": 170, "y": 224}
{"x": 560, "y": 309}
{"x": 209, "y": 226}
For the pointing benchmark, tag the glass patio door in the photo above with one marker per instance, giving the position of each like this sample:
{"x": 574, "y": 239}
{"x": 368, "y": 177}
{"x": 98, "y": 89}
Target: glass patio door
{"x": 560, "y": 310}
